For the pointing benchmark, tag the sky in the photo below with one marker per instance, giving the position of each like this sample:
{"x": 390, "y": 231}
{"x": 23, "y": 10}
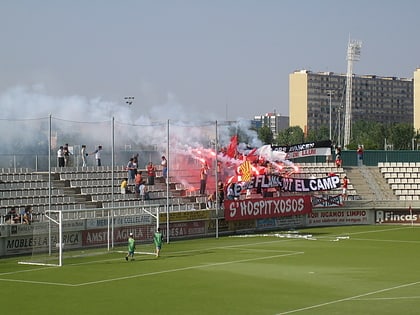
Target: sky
{"x": 189, "y": 59}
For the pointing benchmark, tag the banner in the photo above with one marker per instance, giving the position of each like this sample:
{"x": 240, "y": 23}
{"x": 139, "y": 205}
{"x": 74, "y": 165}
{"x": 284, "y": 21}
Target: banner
{"x": 397, "y": 216}
{"x": 305, "y": 149}
{"x": 338, "y": 217}
{"x": 304, "y": 185}
{"x": 249, "y": 209}
{"x": 324, "y": 201}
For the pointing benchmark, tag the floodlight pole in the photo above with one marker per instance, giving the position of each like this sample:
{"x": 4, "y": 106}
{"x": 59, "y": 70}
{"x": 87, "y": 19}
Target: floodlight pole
{"x": 217, "y": 184}
{"x": 353, "y": 54}
{"x": 167, "y": 185}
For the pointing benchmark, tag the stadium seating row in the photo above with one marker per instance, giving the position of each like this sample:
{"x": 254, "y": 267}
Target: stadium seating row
{"x": 20, "y": 193}
{"x": 398, "y": 164}
{"x": 405, "y": 186}
{"x": 21, "y": 177}
{"x": 409, "y": 197}
{"x": 23, "y": 185}
{"x": 399, "y": 169}
{"x": 12, "y": 170}
{"x": 23, "y": 201}
{"x": 403, "y": 178}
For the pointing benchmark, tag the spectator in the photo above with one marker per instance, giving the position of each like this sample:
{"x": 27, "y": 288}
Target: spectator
{"x": 135, "y": 162}
{"x": 97, "y": 153}
{"x": 164, "y": 164}
{"x": 144, "y": 194}
{"x": 151, "y": 173}
{"x": 221, "y": 192}
{"x": 203, "y": 178}
{"x": 12, "y": 216}
{"x": 131, "y": 173}
{"x": 84, "y": 155}
{"x": 137, "y": 182}
{"x": 67, "y": 154}
{"x": 60, "y": 157}
{"x": 124, "y": 186}
{"x": 338, "y": 161}
{"x": 27, "y": 215}
{"x": 360, "y": 155}
{"x": 345, "y": 186}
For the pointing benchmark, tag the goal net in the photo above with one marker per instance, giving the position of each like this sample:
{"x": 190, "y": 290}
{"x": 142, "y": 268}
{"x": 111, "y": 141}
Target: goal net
{"x": 47, "y": 242}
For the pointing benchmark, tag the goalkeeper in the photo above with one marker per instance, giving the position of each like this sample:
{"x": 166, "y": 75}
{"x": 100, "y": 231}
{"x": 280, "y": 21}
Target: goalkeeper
{"x": 131, "y": 247}
{"x": 158, "y": 240}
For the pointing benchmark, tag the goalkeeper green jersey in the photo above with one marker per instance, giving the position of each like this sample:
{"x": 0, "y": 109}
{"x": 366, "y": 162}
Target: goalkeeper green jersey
{"x": 131, "y": 244}
{"x": 157, "y": 239}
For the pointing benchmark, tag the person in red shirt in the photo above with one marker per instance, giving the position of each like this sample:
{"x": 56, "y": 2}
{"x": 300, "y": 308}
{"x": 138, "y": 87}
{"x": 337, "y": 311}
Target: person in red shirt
{"x": 345, "y": 186}
{"x": 138, "y": 179}
{"x": 151, "y": 173}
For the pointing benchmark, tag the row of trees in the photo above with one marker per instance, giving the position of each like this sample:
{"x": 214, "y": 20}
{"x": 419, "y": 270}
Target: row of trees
{"x": 373, "y": 136}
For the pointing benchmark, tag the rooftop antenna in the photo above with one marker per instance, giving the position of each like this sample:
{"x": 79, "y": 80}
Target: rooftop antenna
{"x": 353, "y": 54}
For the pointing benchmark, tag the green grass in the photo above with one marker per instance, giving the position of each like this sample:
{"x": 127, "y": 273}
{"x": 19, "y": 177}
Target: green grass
{"x": 373, "y": 271}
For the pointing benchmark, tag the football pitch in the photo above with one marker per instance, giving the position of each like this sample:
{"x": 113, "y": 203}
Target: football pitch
{"x": 334, "y": 270}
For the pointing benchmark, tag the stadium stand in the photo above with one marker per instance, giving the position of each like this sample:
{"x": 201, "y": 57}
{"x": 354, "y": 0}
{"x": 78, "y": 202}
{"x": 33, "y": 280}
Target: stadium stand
{"x": 79, "y": 188}
{"x": 403, "y": 178}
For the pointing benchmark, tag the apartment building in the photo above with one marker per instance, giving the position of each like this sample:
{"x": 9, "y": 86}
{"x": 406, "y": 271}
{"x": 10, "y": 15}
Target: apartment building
{"x": 318, "y": 99}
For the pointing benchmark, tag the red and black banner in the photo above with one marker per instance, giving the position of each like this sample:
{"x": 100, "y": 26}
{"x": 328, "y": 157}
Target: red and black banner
{"x": 305, "y": 149}
{"x": 248, "y": 209}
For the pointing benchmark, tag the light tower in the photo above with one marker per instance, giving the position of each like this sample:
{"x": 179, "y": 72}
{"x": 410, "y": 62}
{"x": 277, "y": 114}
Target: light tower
{"x": 353, "y": 54}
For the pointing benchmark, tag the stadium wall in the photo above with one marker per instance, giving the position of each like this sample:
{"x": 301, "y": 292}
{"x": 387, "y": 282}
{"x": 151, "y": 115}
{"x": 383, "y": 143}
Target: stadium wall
{"x": 17, "y": 239}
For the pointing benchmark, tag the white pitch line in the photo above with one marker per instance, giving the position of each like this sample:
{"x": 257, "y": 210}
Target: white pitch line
{"x": 187, "y": 268}
{"x": 356, "y": 297}
{"x": 38, "y": 282}
{"x": 151, "y": 273}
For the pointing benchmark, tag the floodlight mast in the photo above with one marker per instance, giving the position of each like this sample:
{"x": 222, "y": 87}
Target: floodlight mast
{"x": 353, "y": 54}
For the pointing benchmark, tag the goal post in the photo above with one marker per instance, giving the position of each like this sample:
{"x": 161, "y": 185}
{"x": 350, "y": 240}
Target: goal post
{"x": 47, "y": 241}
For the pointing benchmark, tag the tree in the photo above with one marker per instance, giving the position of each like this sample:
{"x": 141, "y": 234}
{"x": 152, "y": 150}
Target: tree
{"x": 289, "y": 136}
{"x": 265, "y": 135}
{"x": 401, "y": 136}
{"x": 318, "y": 135}
{"x": 369, "y": 133}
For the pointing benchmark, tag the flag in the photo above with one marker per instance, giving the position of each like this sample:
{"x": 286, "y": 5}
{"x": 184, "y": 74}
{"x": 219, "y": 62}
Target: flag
{"x": 245, "y": 169}
{"x": 231, "y": 150}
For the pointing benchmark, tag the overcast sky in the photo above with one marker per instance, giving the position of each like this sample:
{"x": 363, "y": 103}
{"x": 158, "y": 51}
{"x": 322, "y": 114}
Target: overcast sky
{"x": 204, "y": 59}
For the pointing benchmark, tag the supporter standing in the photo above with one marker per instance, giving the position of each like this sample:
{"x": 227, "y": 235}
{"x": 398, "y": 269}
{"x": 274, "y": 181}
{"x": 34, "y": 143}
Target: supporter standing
{"x": 131, "y": 247}
{"x": 164, "y": 164}
{"x": 203, "y": 178}
{"x": 131, "y": 171}
{"x": 66, "y": 154}
{"x": 97, "y": 153}
{"x": 345, "y": 187}
{"x": 137, "y": 182}
{"x": 151, "y": 173}
{"x": 338, "y": 161}
{"x": 360, "y": 155}
{"x": 136, "y": 162}
{"x": 144, "y": 194}
{"x": 84, "y": 155}
{"x": 221, "y": 193}
{"x": 60, "y": 157}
